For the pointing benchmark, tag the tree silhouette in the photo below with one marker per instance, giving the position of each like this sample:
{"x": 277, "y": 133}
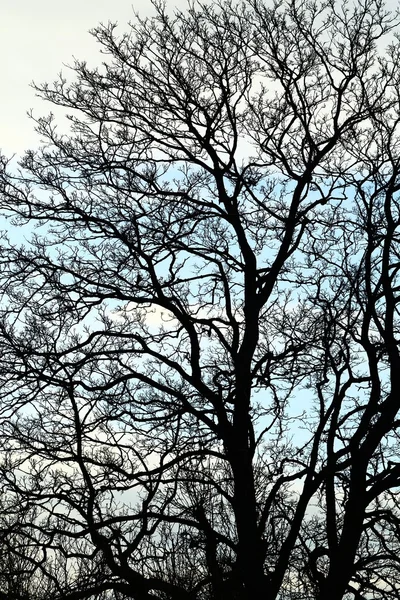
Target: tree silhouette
{"x": 200, "y": 337}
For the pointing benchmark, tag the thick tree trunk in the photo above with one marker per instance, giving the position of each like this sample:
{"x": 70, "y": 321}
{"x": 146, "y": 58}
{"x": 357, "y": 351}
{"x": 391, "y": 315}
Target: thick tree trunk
{"x": 342, "y": 561}
{"x": 249, "y": 557}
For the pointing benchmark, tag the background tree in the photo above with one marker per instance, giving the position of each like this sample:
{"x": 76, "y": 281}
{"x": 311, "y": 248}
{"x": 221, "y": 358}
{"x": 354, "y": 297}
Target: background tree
{"x": 199, "y": 352}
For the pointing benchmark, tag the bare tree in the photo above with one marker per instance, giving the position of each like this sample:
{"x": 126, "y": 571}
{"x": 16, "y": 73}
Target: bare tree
{"x": 200, "y": 338}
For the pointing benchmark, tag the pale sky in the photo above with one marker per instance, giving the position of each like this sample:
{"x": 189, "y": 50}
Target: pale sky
{"x": 36, "y": 38}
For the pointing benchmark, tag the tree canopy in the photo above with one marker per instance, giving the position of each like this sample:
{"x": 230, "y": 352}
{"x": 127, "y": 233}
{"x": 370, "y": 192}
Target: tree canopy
{"x": 199, "y": 336}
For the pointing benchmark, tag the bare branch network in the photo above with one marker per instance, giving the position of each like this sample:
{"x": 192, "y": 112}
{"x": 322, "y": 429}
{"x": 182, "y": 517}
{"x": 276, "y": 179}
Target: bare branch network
{"x": 199, "y": 338}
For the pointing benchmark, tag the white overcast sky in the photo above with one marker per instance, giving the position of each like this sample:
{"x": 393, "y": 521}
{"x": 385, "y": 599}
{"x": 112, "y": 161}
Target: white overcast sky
{"x": 36, "y": 38}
